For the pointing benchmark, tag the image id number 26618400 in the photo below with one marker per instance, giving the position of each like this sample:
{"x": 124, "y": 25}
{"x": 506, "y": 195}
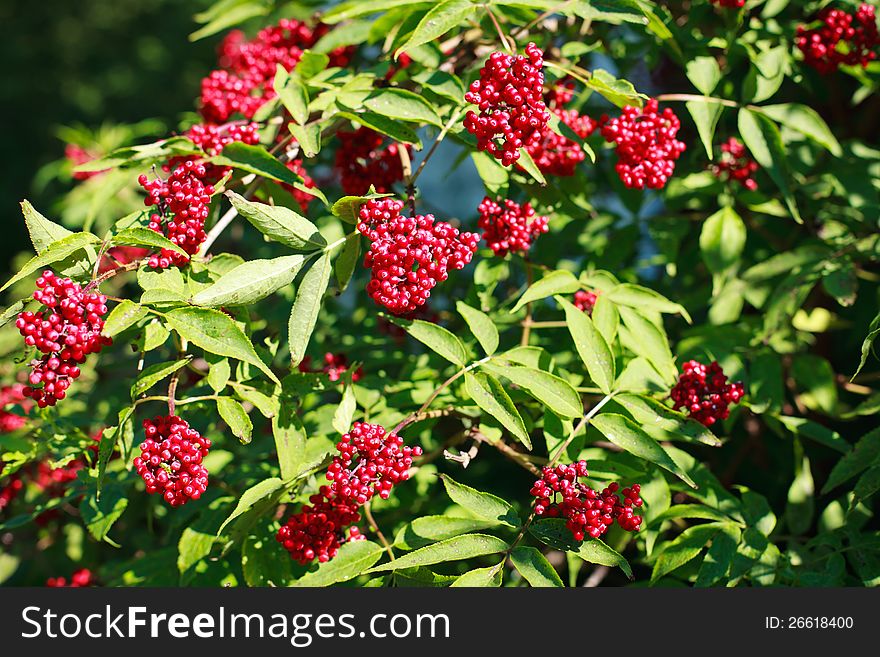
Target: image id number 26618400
{"x": 808, "y": 622}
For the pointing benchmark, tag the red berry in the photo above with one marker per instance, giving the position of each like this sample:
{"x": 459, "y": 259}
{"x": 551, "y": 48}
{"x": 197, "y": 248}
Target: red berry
{"x": 362, "y": 161}
{"x": 735, "y": 164}
{"x": 335, "y": 365}
{"x": 730, "y": 3}
{"x": 585, "y": 300}
{"x": 303, "y": 198}
{"x": 510, "y": 228}
{"x": 645, "y": 144}
{"x": 213, "y": 139}
{"x": 81, "y": 578}
{"x": 319, "y": 529}
{"x": 171, "y": 460}
{"x": 704, "y": 393}
{"x": 842, "y": 39}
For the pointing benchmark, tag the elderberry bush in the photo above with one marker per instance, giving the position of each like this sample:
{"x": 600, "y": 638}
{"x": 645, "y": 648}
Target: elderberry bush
{"x": 274, "y": 351}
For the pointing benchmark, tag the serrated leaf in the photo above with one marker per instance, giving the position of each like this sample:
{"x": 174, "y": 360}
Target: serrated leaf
{"x": 481, "y": 326}
{"x": 705, "y": 116}
{"x": 279, "y": 224}
{"x": 256, "y": 496}
{"x": 403, "y": 105}
{"x": 99, "y": 515}
{"x": 292, "y": 93}
{"x": 216, "y": 333}
{"x": 430, "y": 529}
{"x": 555, "y": 393}
{"x": 218, "y": 375}
{"x": 255, "y": 159}
{"x": 627, "y": 435}
{"x": 646, "y": 339}
{"x": 617, "y": 92}
{"x": 306, "y": 306}
{"x": 483, "y": 505}
{"x": 480, "y": 577}
{"x": 704, "y": 73}
{"x": 140, "y": 236}
{"x": 528, "y": 164}
{"x": 347, "y": 260}
{"x": 685, "y": 547}
{"x": 458, "y": 548}
{"x": 644, "y": 298}
{"x": 490, "y": 396}
{"x": 41, "y": 230}
{"x": 236, "y": 418}
{"x": 125, "y": 314}
{"x": 864, "y": 454}
{"x": 347, "y": 207}
{"x": 353, "y": 559}
{"x": 55, "y": 252}
{"x": 556, "y": 282}
{"x": 398, "y": 131}
{"x": 344, "y": 413}
{"x": 553, "y": 532}
{"x": 807, "y": 121}
{"x": 437, "y": 22}
{"x": 308, "y": 137}
{"x": 722, "y": 240}
{"x": 250, "y": 282}
{"x": 153, "y": 374}
{"x": 590, "y": 345}
{"x": 234, "y": 13}
{"x": 442, "y": 342}
{"x": 534, "y": 567}
{"x": 650, "y": 413}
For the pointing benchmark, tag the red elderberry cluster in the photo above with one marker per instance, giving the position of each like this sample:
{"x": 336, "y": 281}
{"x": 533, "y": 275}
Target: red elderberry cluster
{"x": 78, "y": 155}
{"x": 335, "y": 366}
{"x": 509, "y": 228}
{"x": 841, "y": 39}
{"x": 301, "y": 197}
{"x": 12, "y": 396}
{"x": 585, "y": 300}
{"x": 509, "y": 96}
{"x": 171, "y": 460}
{"x": 587, "y": 512}
{"x": 362, "y": 161}
{"x": 66, "y": 331}
{"x": 645, "y": 144}
{"x": 80, "y": 579}
{"x": 250, "y": 67}
{"x": 319, "y": 529}
{"x": 705, "y": 393}
{"x": 10, "y": 490}
{"x": 213, "y": 139}
{"x": 554, "y": 154}
{"x": 182, "y": 201}
{"x": 371, "y": 461}
{"x": 408, "y": 256}
{"x": 735, "y": 164}
{"x": 734, "y": 4}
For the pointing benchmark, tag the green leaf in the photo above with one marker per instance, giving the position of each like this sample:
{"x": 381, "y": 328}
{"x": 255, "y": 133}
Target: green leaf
{"x": 800, "y": 505}
{"x": 124, "y": 315}
{"x": 705, "y": 116}
{"x": 398, "y": 131}
{"x": 437, "y": 22}
{"x": 234, "y": 13}
{"x": 55, "y": 252}
{"x": 490, "y": 396}
{"x": 216, "y": 333}
{"x": 683, "y": 549}
{"x": 646, "y": 339}
{"x": 262, "y": 563}
{"x": 353, "y": 559}
{"x": 292, "y": 93}
{"x": 308, "y": 137}
{"x": 494, "y": 176}
{"x": 805, "y": 120}
{"x": 100, "y": 515}
{"x": 652, "y": 414}
{"x": 347, "y": 261}
{"x": 348, "y": 207}
{"x": 617, "y": 92}
{"x": 356, "y": 8}
{"x": 555, "y": 393}
{"x": 636, "y": 296}
{"x": 436, "y": 338}
{"x": 467, "y": 546}
{"x": 528, "y": 164}
{"x": 481, "y": 326}
{"x": 534, "y": 567}
{"x": 250, "y": 282}
{"x": 704, "y": 73}
{"x": 153, "y": 374}
{"x": 304, "y": 314}
{"x": 556, "y": 282}
{"x": 762, "y": 138}
{"x": 42, "y": 231}
{"x": 864, "y": 454}
{"x": 446, "y": 85}
{"x": 345, "y": 411}
{"x": 868, "y": 484}
{"x": 591, "y": 346}
{"x": 311, "y": 63}
{"x": 402, "y": 104}
{"x": 624, "y": 433}
{"x": 430, "y": 529}
{"x": 814, "y": 431}
{"x": 722, "y": 240}
{"x": 140, "y": 236}
{"x": 553, "y": 532}
{"x": 480, "y": 577}
{"x": 279, "y": 224}
{"x": 255, "y": 159}
{"x": 234, "y": 415}
{"x": 258, "y": 497}
{"x": 483, "y": 505}
{"x": 868, "y": 343}
{"x": 595, "y": 551}
{"x": 606, "y": 318}
{"x": 718, "y": 559}
{"x": 218, "y": 375}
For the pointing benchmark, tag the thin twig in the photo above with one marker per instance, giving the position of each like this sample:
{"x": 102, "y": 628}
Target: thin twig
{"x": 372, "y": 522}
{"x": 446, "y": 128}
{"x": 584, "y": 421}
{"x": 498, "y": 29}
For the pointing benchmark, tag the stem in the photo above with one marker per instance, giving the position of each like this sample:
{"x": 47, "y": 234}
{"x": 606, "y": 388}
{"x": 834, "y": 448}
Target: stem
{"x": 131, "y": 266}
{"x": 372, "y": 522}
{"x": 179, "y": 402}
{"x": 226, "y": 219}
{"x": 527, "y": 322}
{"x": 522, "y": 28}
{"x": 699, "y": 99}
{"x": 172, "y": 389}
{"x": 406, "y": 166}
{"x": 498, "y": 29}
{"x": 584, "y": 421}
{"x": 452, "y": 119}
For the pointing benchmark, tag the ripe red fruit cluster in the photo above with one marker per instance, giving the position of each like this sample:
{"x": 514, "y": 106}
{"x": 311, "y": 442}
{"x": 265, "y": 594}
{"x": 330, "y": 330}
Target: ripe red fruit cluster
{"x": 509, "y": 228}
{"x": 77, "y": 155}
{"x": 53, "y": 481}
{"x": 645, "y": 144}
{"x": 587, "y": 512}
{"x": 554, "y": 154}
{"x": 213, "y": 139}
{"x": 66, "y": 331}
{"x": 408, "y": 256}
{"x": 80, "y": 579}
{"x": 182, "y": 202}
{"x": 335, "y": 365}
{"x": 704, "y": 392}
{"x": 10, "y": 491}
{"x": 319, "y": 529}
{"x": 362, "y": 161}
{"x": 509, "y": 96}
{"x": 370, "y": 461}
{"x": 585, "y": 300}
{"x": 11, "y": 396}
{"x": 841, "y": 39}
{"x": 301, "y": 197}
{"x": 247, "y": 82}
{"x": 735, "y": 164}
{"x": 171, "y": 460}
{"x": 730, "y": 3}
